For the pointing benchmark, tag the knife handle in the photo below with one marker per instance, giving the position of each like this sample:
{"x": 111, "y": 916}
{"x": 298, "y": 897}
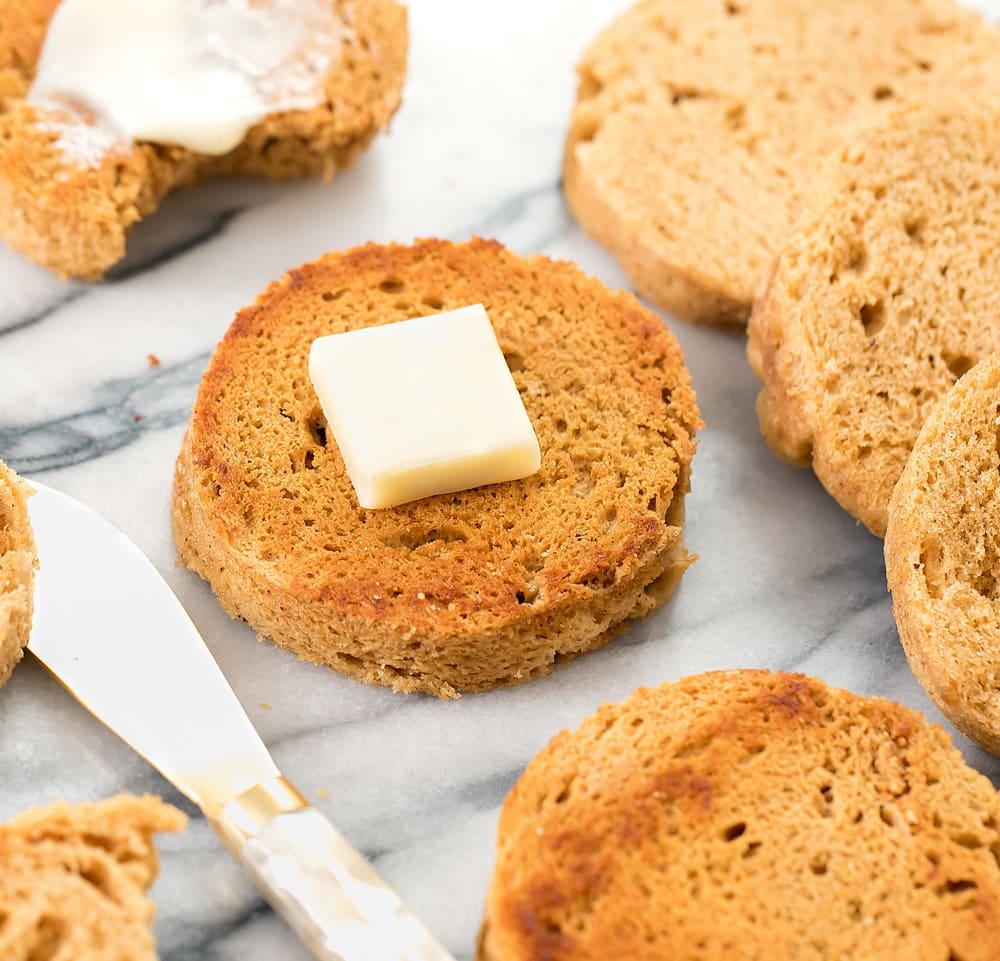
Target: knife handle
{"x": 330, "y": 895}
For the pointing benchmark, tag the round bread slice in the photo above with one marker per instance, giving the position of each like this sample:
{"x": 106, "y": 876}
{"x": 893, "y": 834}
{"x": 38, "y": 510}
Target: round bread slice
{"x": 882, "y": 299}
{"x": 17, "y": 570}
{"x": 73, "y": 880}
{"x": 698, "y": 126}
{"x": 460, "y": 592}
{"x": 72, "y": 213}
{"x": 942, "y": 555}
{"x": 747, "y": 815}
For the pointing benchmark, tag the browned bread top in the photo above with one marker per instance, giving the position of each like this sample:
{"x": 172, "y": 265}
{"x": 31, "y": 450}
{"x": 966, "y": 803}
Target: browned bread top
{"x": 885, "y": 295}
{"x": 942, "y": 554}
{"x": 747, "y": 815}
{"x": 18, "y": 561}
{"x": 461, "y": 591}
{"x": 73, "y": 880}
{"x": 74, "y": 218}
{"x": 698, "y": 126}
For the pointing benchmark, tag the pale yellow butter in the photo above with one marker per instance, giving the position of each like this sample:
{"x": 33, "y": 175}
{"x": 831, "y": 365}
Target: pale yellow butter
{"x": 198, "y": 73}
{"x": 424, "y": 406}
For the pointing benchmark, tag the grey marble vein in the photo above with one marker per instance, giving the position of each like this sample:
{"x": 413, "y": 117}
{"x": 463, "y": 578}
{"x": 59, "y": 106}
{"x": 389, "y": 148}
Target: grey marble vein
{"x": 122, "y": 411}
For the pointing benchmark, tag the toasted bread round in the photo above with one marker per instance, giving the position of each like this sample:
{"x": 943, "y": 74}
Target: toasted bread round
{"x": 942, "y": 555}
{"x": 699, "y": 125}
{"x": 74, "y": 219}
{"x": 747, "y": 815}
{"x": 462, "y": 591}
{"x": 885, "y": 295}
{"x": 73, "y": 880}
{"x": 17, "y": 570}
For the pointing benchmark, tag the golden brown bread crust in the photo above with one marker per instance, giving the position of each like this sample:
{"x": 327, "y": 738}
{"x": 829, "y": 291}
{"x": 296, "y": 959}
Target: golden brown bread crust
{"x": 72, "y": 880}
{"x": 942, "y": 555}
{"x": 75, "y": 220}
{"x": 883, "y": 297}
{"x": 464, "y": 591}
{"x": 698, "y": 126}
{"x": 748, "y": 816}
{"x": 18, "y": 561}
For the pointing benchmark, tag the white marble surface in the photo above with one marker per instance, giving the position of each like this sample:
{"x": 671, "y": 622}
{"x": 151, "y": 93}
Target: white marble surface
{"x": 784, "y": 579}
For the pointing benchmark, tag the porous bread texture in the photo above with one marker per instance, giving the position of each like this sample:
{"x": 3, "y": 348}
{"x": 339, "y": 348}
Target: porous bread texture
{"x": 75, "y": 219}
{"x": 942, "y": 555}
{"x": 751, "y": 816}
{"x": 18, "y": 561}
{"x": 698, "y": 126}
{"x": 885, "y": 295}
{"x": 464, "y": 591}
{"x": 73, "y": 880}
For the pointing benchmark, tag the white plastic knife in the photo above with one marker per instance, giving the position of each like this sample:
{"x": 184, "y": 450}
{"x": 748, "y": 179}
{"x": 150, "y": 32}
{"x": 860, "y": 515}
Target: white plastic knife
{"x": 108, "y": 626}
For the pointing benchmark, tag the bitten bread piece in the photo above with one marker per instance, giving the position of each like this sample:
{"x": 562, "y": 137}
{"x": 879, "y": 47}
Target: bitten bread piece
{"x": 750, "y": 816}
{"x": 74, "y": 218}
{"x": 886, "y": 295}
{"x": 462, "y": 591}
{"x": 17, "y": 570}
{"x": 699, "y": 125}
{"x": 942, "y": 555}
{"x": 73, "y": 880}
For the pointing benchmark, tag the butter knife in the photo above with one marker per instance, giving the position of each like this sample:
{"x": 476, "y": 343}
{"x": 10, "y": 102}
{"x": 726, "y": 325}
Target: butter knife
{"x": 108, "y": 626}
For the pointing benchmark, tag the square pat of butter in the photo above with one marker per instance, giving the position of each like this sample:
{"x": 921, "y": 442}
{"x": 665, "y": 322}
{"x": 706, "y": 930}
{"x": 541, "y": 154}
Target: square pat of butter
{"x": 423, "y": 406}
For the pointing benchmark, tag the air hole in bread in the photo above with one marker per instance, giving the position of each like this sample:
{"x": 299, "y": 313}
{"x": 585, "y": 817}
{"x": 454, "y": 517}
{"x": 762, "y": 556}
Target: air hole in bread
{"x": 589, "y": 85}
{"x": 731, "y": 9}
{"x": 317, "y": 428}
{"x": 47, "y": 938}
{"x": 857, "y": 258}
{"x": 412, "y": 538}
{"x": 666, "y": 395}
{"x": 529, "y": 595}
{"x": 873, "y": 317}
{"x": 515, "y": 361}
{"x": 751, "y": 850}
{"x": 585, "y": 129}
{"x": 331, "y": 295}
{"x": 435, "y": 303}
{"x": 684, "y": 93}
{"x": 986, "y": 585}
{"x": 925, "y": 65}
{"x": 392, "y": 285}
{"x": 818, "y": 863}
{"x": 958, "y": 364}
{"x": 824, "y": 803}
{"x": 932, "y": 564}
{"x": 914, "y": 228}
{"x": 734, "y": 831}
{"x": 967, "y": 839}
{"x": 736, "y": 119}
{"x": 957, "y": 887}
{"x": 882, "y": 92}
{"x": 97, "y": 875}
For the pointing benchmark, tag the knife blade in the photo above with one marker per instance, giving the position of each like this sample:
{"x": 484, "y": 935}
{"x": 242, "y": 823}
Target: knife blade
{"x": 111, "y": 630}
